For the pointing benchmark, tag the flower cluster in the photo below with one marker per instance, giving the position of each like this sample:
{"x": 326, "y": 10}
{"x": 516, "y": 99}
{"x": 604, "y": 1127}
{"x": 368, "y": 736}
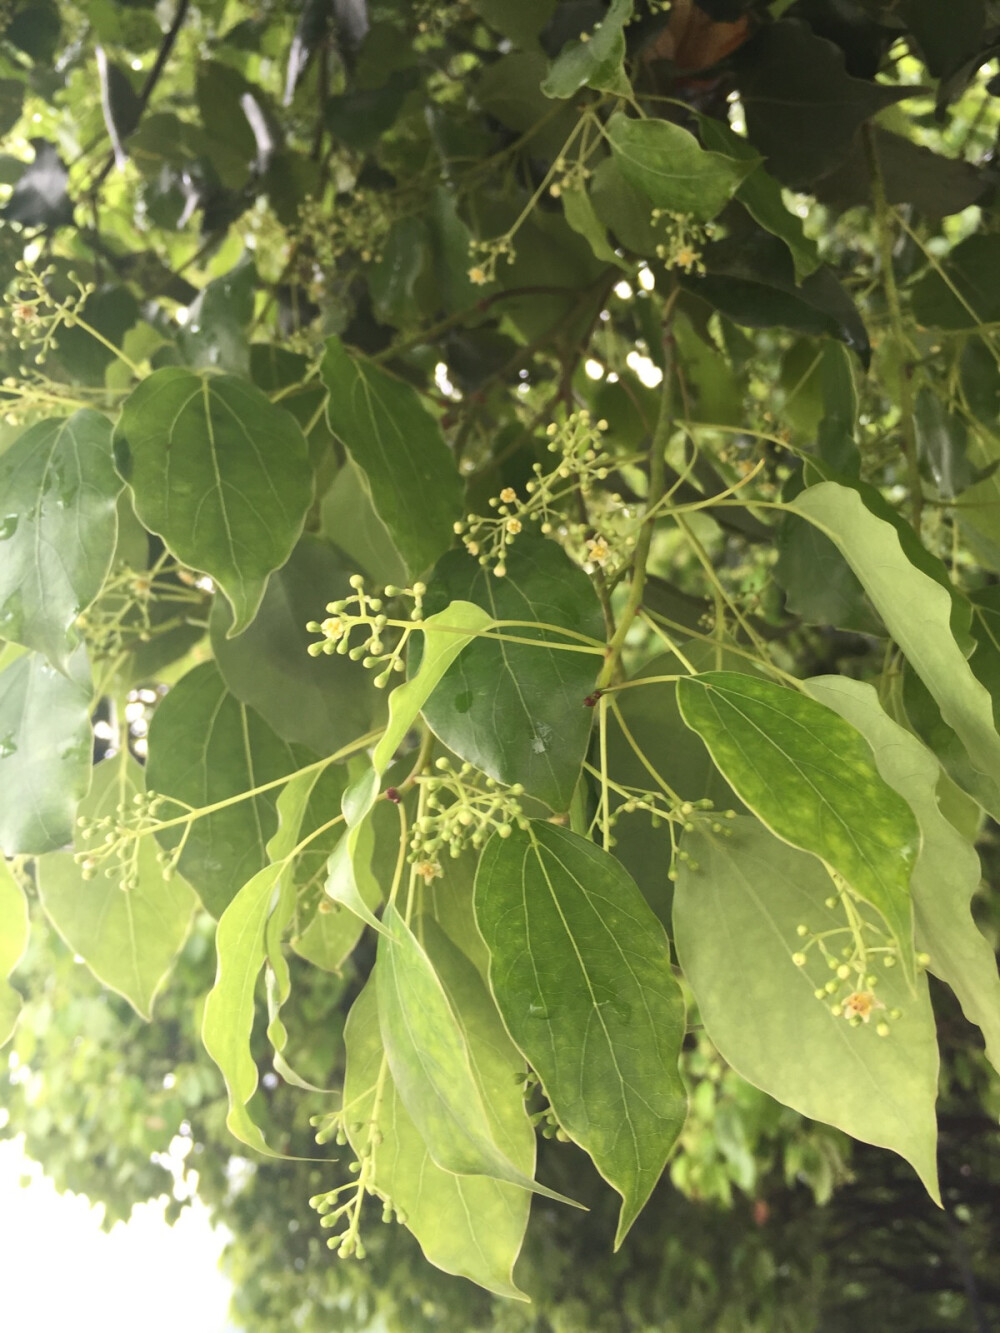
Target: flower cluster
{"x": 37, "y": 314}
{"x": 123, "y": 615}
{"x": 572, "y": 175}
{"x": 850, "y": 992}
{"x": 681, "y": 816}
{"x": 462, "y": 808}
{"x": 486, "y": 255}
{"x": 341, "y": 1206}
{"x": 582, "y": 462}
{"x": 365, "y": 612}
{"x": 684, "y": 239}
{"x": 115, "y": 840}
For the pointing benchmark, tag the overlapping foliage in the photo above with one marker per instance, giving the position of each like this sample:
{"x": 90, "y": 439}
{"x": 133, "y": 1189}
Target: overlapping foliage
{"x": 520, "y": 480}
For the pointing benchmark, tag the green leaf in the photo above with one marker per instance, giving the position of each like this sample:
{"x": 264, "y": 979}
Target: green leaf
{"x": 802, "y": 107}
{"x": 215, "y": 334}
{"x": 917, "y": 612}
{"x": 241, "y": 948}
{"x": 128, "y": 934}
{"x": 735, "y": 918}
{"x": 817, "y": 581}
{"x": 963, "y": 290}
{"x": 445, "y": 636}
{"x": 323, "y": 702}
{"x": 14, "y": 929}
{"x": 760, "y": 195}
{"x": 941, "y": 441}
{"x": 220, "y": 474}
{"x": 204, "y": 748}
{"x": 672, "y": 169}
{"x": 349, "y": 519}
{"x": 393, "y": 277}
{"x": 580, "y": 215}
{"x": 430, "y": 1062}
{"x": 45, "y": 744}
{"x": 468, "y": 1225}
{"x": 514, "y": 710}
{"x": 623, "y": 207}
{"x": 596, "y": 62}
{"x": 947, "y": 872}
{"x": 934, "y": 185}
{"x": 520, "y": 20}
{"x": 752, "y": 279}
{"x": 580, "y": 969}
{"x": 58, "y": 528}
{"x": 812, "y": 780}
{"x": 397, "y": 444}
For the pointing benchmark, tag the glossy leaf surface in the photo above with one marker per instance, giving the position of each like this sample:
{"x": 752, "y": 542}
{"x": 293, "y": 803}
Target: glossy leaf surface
{"x": 735, "y": 918}
{"x": 538, "y": 692}
{"x": 813, "y": 781}
{"x": 672, "y": 169}
{"x": 128, "y": 935}
{"x": 45, "y": 744}
{"x": 323, "y": 702}
{"x": 220, "y": 474}
{"x": 58, "y": 527}
{"x": 398, "y": 445}
{"x": 580, "y": 968}
{"x": 205, "y": 747}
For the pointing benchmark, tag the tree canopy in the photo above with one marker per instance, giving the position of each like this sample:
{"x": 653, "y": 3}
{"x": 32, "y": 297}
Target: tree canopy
{"x": 500, "y": 613}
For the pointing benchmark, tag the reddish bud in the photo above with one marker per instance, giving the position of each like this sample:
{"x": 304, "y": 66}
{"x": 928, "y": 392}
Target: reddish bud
{"x": 592, "y": 699}
{"x": 391, "y": 794}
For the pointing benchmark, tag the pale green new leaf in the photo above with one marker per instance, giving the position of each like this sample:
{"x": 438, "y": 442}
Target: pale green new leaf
{"x": 672, "y": 169}
{"x": 735, "y": 920}
{"x": 14, "y": 926}
{"x": 468, "y": 1225}
{"x": 219, "y": 473}
{"x": 45, "y": 753}
{"x": 580, "y": 969}
{"x": 811, "y": 778}
{"x": 241, "y": 946}
{"x": 917, "y": 612}
{"x": 429, "y": 1059}
{"x": 947, "y": 872}
{"x": 397, "y": 444}
{"x": 58, "y": 528}
{"x": 445, "y": 635}
{"x": 128, "y": 934}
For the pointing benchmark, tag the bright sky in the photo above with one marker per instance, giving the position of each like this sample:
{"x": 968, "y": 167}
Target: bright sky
{"x": 60, "y": 1271}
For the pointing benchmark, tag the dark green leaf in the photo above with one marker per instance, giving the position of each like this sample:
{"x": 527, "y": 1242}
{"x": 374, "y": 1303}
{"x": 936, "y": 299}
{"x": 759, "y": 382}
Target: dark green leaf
{"x": 812, "y": 780}
{"x": 595, "y": 62}
{"x": 818, "y": 583}
{"x": 752, "y": 280}
{"x": 936, "y": 186}
{"x": 323, "y": 702}
{"x": 946, "y": 34}
{"x": 514, "y": 710}
{"x": 624, "y": 208}
{"x": 580, "y": 215}
{"x": 802, "y": 107}
{"x": 672, "y": 169}
{"x": 580, "y": 969}
{"x": 393, "y": 278}
{"x": 217, "y": 472}
{"x": 398, "y": 445}
{"x": 215, "y": 334}
{"x": 58, "y": 530}
{"x": 736, "y": 917}
{"x": 205, "y": 747}
{"x": 127, "y": 934}
{"x": 360, "y": 117}
{"x": 760, "y": 195}
{"x": 963, "y": 290}
{"x": 941, "y": 444}
{"x": 520, "y": 20}
{"x": 45, "y": 743}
